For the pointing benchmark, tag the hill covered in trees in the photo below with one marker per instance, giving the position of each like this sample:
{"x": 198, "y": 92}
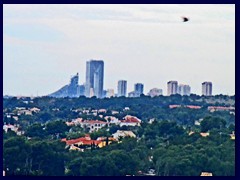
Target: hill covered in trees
{"x": 178, "y": 135}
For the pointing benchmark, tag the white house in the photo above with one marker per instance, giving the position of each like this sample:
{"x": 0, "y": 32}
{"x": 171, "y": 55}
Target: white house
{"x": 93, "y": 125}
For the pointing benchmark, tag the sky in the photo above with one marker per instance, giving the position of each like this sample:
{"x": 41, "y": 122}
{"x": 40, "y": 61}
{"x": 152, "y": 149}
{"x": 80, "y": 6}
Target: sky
{"x": 44, "y": 45}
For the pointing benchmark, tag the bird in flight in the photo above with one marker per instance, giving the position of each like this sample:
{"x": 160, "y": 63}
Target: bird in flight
{"x": 185, "y": 19}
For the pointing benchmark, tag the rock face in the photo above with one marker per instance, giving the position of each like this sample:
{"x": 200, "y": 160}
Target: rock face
{"x": 70, "y": 90}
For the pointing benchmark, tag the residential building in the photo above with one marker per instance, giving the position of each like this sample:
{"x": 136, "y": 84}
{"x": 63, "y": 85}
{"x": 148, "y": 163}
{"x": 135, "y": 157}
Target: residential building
{"x": 155, "y": 92}
{"x": 93, "y": 125}
{"x": 138, "y": 89}
{"x": 110, "y": 93}
{"x": 207, "y": 88}
{"x": 203, "y": 134}
{"x": 122, "y": 88}
{"x": 81, "y": 90}
{"x": 123, "y": 134}
{"x": 91, "y": 92}
{"x": 94, "y": 78}
{"x": 184, "y": 90}
{"x": 172, "y": 87}
{"x": 130, "y": 121}
{"x": 104, "y": 93}
{"x": 131, "y": 94}
{"x": 232, "y": 136}
{"x": 206, "y": 174}
{"x": 220, "y": 108}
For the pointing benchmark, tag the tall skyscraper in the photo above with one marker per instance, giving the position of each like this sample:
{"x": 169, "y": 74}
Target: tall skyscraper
{"x": 172, "y": 87}
{"x": 184, "y": 89}
{"x": 122, "y": 88}
{"x": 207, "y": 88}
{"x": 138, "y": 89}
{"x": 94, "y": 78}
{"x": 155, "y": 92}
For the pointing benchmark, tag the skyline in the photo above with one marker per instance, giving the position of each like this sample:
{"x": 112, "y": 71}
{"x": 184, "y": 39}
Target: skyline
{"x": 45, "y": 44}
{"x": 94, "y": 81}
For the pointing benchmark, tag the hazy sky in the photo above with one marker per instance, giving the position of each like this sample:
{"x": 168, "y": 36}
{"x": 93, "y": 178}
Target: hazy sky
{"x": 43, "y": 45}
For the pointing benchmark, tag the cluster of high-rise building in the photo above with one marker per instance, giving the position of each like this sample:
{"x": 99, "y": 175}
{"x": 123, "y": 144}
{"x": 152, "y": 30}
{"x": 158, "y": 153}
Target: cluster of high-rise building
{"x": 185, "y": 90}
{"x": 95, "y": 82}
{"x": 174, "y": 88}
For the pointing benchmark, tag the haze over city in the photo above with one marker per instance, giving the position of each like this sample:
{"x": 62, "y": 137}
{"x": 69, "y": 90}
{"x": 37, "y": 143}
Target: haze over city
{"x": 46, "y": 44}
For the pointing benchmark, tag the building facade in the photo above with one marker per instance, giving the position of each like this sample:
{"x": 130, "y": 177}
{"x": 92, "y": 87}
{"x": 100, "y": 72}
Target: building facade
{"x": 73, "y": 86}
{"x": 207, "y": 88}
{"x": 94, "y": 78}
{"x": 71, "y": 90}
{"x": 81, "y": 90}
{"x": 110, "y": 93}
{"x": 138, "y": 89}
{"x": 131, "y": 94}
{"x": 155, "y": 92}
{"x": 184, "y": 90}
{"x": 122, "y": 88}
{"x": 172, "y": 87}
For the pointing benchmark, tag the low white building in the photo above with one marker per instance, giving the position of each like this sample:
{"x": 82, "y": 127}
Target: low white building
{"x": 9, "y": 126}
{"x": 93, "y": 125}
{"x": 112, "y": 120}
{"x": 123, "y": 134}
{"x": 102, "y": 111}
{"x": 35, "y": 109}
{"x": 13, "y": 128}
{"x": 115, "y": 112}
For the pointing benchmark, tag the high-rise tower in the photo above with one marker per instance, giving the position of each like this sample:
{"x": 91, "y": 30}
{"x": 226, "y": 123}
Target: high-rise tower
{"x": 94, "y": 78}
{"x": 138, "y": 89}
{"x": 207, "y": 88}
{"x": 184, "y": 89}
{"x": 122, "y": 88}
{"x": 172, "y": 87}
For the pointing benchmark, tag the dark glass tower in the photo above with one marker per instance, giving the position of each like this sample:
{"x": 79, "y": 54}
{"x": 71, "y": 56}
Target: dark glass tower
{"x": 138, "y": 89}
{"x": 94, "y": 78}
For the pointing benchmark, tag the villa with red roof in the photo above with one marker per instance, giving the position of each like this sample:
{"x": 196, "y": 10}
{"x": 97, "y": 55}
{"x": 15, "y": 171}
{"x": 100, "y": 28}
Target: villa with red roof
{"x": 93, "y": 125}
{"x": 130, "y": 121}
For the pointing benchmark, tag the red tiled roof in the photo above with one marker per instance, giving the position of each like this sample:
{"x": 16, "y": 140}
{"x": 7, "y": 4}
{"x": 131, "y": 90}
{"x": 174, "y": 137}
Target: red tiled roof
{"x": 73, "y": 141}
{"x": 131, "y": 120}
{"x": 94, "y": 122}
{"x": 174, "y": 106}
{"x": 221, "y": 107}
{"x": 193, "y": 107}
{"x": 83, "y": 140}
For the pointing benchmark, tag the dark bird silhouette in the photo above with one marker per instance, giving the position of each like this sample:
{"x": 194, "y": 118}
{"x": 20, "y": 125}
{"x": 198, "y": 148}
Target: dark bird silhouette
{"x": 185, "y": 19}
